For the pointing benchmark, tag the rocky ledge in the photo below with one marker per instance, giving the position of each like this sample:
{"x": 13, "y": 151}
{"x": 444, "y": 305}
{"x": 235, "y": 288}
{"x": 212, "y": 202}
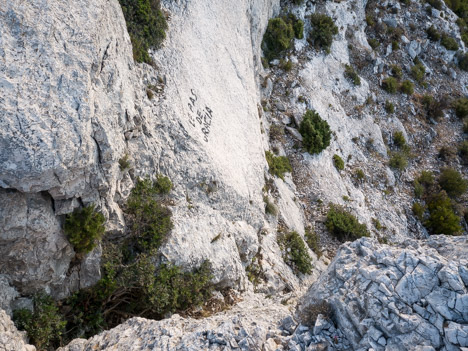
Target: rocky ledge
{"x": 411, "y": 296}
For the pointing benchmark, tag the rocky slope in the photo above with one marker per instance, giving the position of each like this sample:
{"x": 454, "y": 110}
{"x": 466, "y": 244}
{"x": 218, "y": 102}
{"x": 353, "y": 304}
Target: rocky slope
{"x": 74, "y": 103}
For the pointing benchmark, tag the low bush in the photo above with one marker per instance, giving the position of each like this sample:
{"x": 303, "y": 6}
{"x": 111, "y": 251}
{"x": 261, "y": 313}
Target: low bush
{"x": 399, "y": 139}
{"x": 442, "y": 219}
{"x": 312, "y": 241}
{"x": 390, "y": 85}
{"x": 418, "y": 72}
{"x": 463, "y": 61}
{"x": 338, "y": 162}
{"x": 351, "y": 75}
{"x": 309, "y": 314}
{"x": 344, "y": 225}
{"x": 452, "y": 182}
{"x": 389, "y": 107}
{"x": 44, "y": 326}
{"x": 434, "y": 108}
{"x": 270, "y": 207}
{"x": 278, "y": 165}
{"x": 437, "y": 4}
{"x": 418, "y": 210}
{"x": 463, "y": 152}
{"x": 398, "y": 160}
{"x": 433, "y": 34}
{"x": 295, "y": 252}
{"x": 360, "y": 175}
{"x": 395, "y": 71}
{"x": 297, "y": 24}
{"x": 461, "y": 107}
{"x": 149, "y": 220}
{"x": 449, "y": 43}
{"x": 373, "y": 43}
{"x": 146, "y": 25}
{"x": 323, "y": 29}
{"x": 426, "y": 178}
{"x": 84, "y": 228}
{"x": 124, "y": 163}
{"x": 277, "y": 39}
{"x": 315, "y": 132}
{"x": 407, "y": 87}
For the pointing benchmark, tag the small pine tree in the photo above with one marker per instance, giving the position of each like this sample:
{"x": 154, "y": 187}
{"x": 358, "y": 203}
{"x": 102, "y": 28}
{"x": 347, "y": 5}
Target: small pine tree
{"x": 84, "y": 228}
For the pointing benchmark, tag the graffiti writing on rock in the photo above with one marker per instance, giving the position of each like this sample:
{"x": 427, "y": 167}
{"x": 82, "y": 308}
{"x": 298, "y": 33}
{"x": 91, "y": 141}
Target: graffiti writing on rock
{"x": 200, "y": 116}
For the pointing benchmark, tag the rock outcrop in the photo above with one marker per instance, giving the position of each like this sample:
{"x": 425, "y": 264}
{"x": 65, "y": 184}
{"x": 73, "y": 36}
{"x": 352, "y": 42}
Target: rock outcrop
{"x": 403, "y": 297}
{"x": 382, "y": 297}
{"x": 10, "y": 338}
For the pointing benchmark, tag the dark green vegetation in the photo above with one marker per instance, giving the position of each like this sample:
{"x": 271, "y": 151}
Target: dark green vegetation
{"x": 390, "y": 85}
{"x": 351, "y": 75}
{"x": 84, "y": 228}
{"x": 448, "y": 42}
{"x": 323, "y": 29}
{"x": 460, "y": 7}
{"x": 418, "y": 72}
{"x": 315, "y": 132}
{"x": 407, "y": 87}
{"x": 338, "y": 162}
{"x": 399, "y": 139}
{"x": 461, "y": 107}
{"x": 398, "y": 160}
{"x": 279, "y": 165}
{"x": 295, "y": 252}
{"x": 344, "y": 225}
{"x": 277, "y": 39}
{"x": 44, "y": 326}
{"x": 146, "y": 25}
{"x": 437, "y": 209}
{"x": 312, "y": 241}
{"x": 132, "y": 282}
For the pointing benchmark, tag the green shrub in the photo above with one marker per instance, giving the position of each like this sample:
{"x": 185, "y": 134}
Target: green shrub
{"x": 315, "y": 132}
{"x": 463, "y": 152}
{"x": 398, "y": 160}
{"x": 44, "y": 326}
{"x": 286, "y": 65}
{"x": 390, "y": 85}
{"x": 463, "y": 61}
{"x": 150, "y": 220}
{"x": 389, "y": 107}
{"x": 426, "y": 178}
{"x": 448, "y": 42}
{"x": 360, "y": 174}
{"x": 395, "y": 71}
{"x": 465, "y": 126}
{"x": 418, "y": 210}
{"x": 344, "y": 225}
{"x": 433, "y": 34}
{"x": 351, "y": 74}
{"x": 418, "y": 72}
{"x": 279, "y": 165}
{"x": 84, "y": 228}
{"x": 374, "y": 43}
{"x": 295, "y": 252}
{"x": 270, "y": 207}
{"x": 146, "y": 25}
{"x": 322, "y": 31}
{"x": 399, "y": 139}
{"x": 124, "y": 163}
{"x": 461, "y": 107}
{"x": 442, "y": 219}
{"x": 434, "y": 108}
{"x": 312, "y": 241}
{"x": 277, "y": 39}
{"x": 162, "y": 185}
{"x": 297, "y": 24}
{"x": 437, "y": 4}
{"x": 407, "y": 87}
{"x": 338, "y": 162}
{"x": 452, "y": 182}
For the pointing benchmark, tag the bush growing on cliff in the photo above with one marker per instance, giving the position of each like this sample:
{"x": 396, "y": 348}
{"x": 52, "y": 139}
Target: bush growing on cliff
{"x": 146, "y": 25}
{"x": 44, "y": 326}
{"x": 344, "y": 225}
{"x": 84, "y": 228}
{"x": 461, "y": 107}
{"x": 407, "y": 87}
{"x": 295, "y": 252}
{"x": 323, "y": 29}
{"x": 315, "y": 132}
{"x": 279, "y": 165}
{"x": 277, "y": 39}
{"x": 452, "y": 182}
{"x": 150, "y": 219}
{"x": 448, "y": 42}
{"x": 442, "y": 219}
{"x": 338, "y": 162}
{"x": 390, "y": 85}
{"x": 351, "y": 75}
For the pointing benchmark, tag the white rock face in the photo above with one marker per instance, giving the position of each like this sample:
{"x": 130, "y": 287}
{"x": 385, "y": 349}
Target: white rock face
{"x": 398, "y": 297}
{"x": 10, "y": 338}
